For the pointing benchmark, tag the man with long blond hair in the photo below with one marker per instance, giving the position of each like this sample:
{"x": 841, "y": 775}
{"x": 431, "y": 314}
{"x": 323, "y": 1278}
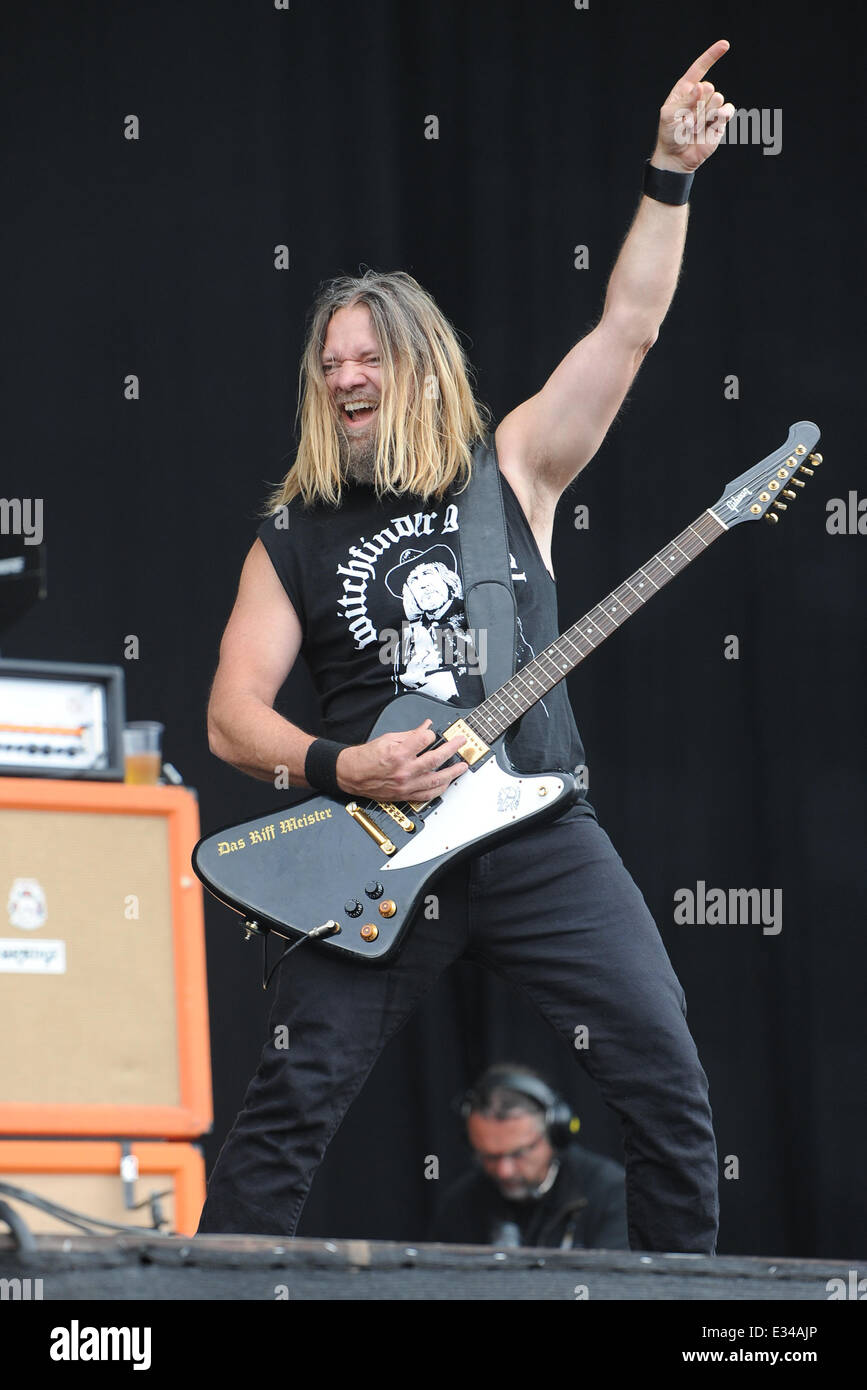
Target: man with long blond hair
{"x": 361, "y": 537}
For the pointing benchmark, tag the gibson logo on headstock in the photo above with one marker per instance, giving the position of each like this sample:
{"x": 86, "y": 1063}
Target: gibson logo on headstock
{"x": 734, "y": 502}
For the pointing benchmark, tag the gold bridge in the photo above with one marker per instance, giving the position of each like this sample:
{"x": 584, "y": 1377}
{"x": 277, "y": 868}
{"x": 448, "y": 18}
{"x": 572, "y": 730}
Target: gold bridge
{"x": 373, "y": 830}
{"x": 472, "y": 750}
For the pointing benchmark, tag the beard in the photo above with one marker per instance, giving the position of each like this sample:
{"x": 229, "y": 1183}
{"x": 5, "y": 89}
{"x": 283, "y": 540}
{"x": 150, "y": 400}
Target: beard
{"x": 520, "y": 1192}
{"x": 358, "y": 456}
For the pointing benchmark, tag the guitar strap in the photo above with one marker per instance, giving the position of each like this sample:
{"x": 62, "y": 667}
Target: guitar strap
{"x": 489, "y": 598}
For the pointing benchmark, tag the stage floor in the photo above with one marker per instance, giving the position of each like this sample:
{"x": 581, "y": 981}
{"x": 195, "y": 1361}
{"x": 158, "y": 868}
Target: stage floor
{"x": 146, "y": 1267}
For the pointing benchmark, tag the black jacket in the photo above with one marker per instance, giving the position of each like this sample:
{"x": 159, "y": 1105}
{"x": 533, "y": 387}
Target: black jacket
{"x": 585, "y": 1207}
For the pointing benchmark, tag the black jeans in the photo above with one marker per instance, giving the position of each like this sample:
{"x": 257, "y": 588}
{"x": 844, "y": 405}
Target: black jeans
{"x": 555, "y": 912}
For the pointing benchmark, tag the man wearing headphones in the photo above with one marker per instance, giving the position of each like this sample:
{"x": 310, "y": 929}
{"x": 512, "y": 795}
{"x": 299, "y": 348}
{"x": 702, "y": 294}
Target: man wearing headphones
{"x": 533, "y": 1186}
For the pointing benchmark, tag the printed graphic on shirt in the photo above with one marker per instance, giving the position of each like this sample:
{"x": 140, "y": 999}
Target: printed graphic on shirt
{"x": 436, "y": 650}
{"x": 427, "y": 641}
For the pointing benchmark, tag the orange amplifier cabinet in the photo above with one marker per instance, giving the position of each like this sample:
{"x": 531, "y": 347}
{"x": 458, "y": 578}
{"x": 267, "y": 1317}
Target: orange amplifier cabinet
{"x": 103, "y": 989}
{"x": 85, "y": 1176}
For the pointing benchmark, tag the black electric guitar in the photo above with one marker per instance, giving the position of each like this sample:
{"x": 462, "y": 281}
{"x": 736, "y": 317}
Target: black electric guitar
{"x": 352, "y": 873}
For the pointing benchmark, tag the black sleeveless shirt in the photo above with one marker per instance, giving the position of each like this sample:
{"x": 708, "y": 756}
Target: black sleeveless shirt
{"x": 377, "y": 588}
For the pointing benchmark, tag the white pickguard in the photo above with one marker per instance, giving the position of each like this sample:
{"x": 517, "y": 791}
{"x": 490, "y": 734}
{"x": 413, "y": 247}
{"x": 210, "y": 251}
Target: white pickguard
{"x": 472, "y": 806}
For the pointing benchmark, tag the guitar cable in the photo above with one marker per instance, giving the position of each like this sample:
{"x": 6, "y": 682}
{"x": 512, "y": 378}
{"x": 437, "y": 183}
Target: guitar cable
{"x": 326, "y": 929}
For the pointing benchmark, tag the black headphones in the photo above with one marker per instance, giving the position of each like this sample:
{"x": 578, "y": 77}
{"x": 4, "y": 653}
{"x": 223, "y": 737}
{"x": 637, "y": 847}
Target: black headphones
{"x": 561, "y": 1124}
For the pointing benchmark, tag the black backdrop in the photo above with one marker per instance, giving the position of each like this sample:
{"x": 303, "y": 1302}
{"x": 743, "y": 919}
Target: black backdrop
{"x": 306, "y": 127}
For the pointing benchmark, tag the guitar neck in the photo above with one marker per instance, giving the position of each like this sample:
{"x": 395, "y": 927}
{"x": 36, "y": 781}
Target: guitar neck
{"x": 523, "y": 690}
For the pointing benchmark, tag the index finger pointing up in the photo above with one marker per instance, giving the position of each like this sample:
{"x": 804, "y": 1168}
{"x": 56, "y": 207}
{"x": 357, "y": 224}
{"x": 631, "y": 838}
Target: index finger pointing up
{"x": 696, "y": 71}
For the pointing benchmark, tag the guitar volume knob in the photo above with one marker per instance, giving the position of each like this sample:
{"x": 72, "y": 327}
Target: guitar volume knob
{"x": 373, "y": 889}
{"x": 353, "y": 908}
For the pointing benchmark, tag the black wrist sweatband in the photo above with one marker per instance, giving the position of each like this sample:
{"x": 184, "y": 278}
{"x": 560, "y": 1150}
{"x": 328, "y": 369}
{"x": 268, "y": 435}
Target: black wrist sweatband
{"x": 665, "y": 185}
{"x": 320, "y": 765}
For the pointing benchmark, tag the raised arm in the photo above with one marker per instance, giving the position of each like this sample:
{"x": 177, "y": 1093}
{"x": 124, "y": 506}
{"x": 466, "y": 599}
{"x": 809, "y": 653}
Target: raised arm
{"x": 547, "y": 440}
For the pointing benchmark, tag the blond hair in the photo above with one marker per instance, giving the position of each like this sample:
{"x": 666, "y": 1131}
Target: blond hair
{"x": 429, "y": 418}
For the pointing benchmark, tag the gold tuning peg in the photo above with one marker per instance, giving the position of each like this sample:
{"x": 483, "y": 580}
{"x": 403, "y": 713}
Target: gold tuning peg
{"x": 815, "y": 459}
{"x": 771, "y": 516}
{"x": 804, "y": 469}
{"x": 787, "y": 492}
{"x": 780, "y": 506}
{"x": 796, "y": 482}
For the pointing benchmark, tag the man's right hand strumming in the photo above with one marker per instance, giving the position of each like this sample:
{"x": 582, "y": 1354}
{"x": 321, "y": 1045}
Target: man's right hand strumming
{"x": 394, "y": 767}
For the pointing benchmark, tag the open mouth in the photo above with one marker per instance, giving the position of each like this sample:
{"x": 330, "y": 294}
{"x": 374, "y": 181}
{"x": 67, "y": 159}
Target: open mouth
{"x": 357, "y": 413}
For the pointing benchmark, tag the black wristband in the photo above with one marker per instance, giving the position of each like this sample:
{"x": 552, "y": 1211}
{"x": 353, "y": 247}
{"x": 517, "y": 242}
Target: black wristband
{"x": 665, "y": 185}
{"x": 320, "y": 765}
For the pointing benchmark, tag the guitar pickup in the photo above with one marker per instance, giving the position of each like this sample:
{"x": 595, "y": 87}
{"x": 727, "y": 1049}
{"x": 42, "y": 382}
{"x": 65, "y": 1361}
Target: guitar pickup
{"x": 471, "y": 751}
{"x": 474, "y": 749}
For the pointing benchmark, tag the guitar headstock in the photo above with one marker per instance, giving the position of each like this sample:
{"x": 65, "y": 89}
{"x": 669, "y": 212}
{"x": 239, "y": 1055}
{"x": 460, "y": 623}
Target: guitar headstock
{"x": 759, "y": 492}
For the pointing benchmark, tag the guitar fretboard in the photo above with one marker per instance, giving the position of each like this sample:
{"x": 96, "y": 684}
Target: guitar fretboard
{"x": 533, "y": 681}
